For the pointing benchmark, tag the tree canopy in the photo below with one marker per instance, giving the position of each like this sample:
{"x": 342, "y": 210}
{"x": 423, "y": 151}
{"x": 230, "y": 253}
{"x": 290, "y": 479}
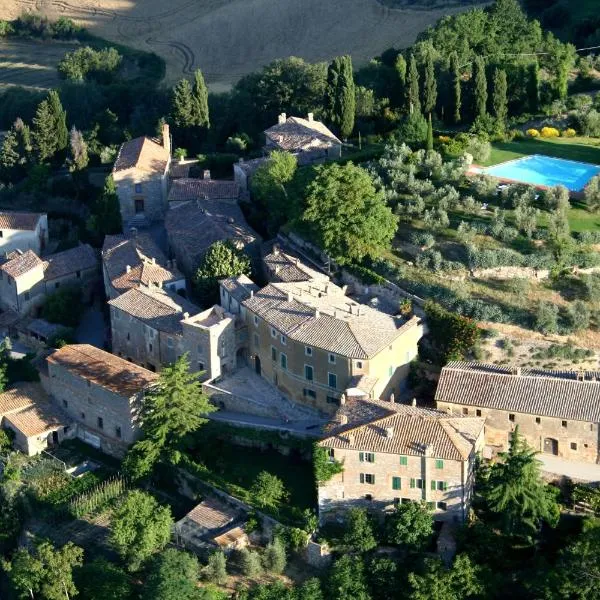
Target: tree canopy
{"x": 173, "y": 576}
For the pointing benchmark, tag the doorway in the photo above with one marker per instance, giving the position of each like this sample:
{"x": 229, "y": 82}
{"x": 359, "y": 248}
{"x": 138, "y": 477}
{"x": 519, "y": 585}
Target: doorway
{"x": 55, "y": 438}
{"x": 551, "y": 446}
{"x": 257, "y": 365}
{"x": 139, "y": 205}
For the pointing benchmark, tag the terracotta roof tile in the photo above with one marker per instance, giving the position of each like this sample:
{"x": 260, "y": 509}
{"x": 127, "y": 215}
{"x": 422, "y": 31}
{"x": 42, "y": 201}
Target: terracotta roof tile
{"x": 37, "y": 419}
{"x": 103, "y": 369}
{"x": 20, "y": 396}
{"x": 22, "y": 264}
{"x": 557, "y": 394}
{"x": 203, "y": 189}
{"x": 212, "y": 514}
{"x": 80, "y": 258}
{"x": 22, "y": 221}
{"x": 142, "y": 153}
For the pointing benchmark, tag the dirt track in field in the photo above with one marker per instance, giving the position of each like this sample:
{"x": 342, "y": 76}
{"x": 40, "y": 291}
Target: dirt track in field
{"x": 229, "y": 38}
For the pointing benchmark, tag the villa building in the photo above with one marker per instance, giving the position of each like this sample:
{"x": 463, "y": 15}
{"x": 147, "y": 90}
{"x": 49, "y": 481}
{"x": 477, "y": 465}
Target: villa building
{"x": 23, "y": 231}
{"x": 393, "y": 453}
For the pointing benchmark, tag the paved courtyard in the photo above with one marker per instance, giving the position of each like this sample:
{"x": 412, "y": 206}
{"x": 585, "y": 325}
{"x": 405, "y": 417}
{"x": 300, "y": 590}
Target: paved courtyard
{"x": 575, "y": 470}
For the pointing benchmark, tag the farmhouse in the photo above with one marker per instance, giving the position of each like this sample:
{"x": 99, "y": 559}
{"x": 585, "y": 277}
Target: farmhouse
{"x": 307, "y": 139}
{"x": 557, "y": 412}
{"x": 141, "y": 178}
{"x": 395, "y": 453}
{"x": 102, "y": 394}
{"x": 23, "y": 231}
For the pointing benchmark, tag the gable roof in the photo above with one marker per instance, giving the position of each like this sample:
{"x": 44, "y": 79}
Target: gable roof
{"x": 286, "y": 266}
{"x": 194, "y": 226}
{"x": 158, "y": 308}
{"x": 297, "y": 134}
{"x": 147, "y": 263}
{"x": 103, "y": 368}
{"x": 20, "y": 263}
{"x": 36, "y": 419}
{"x": 23, "y": 221}
{"x": 203, "y": 189}
{"x": 318, "y": 313}
{"x": 21, "y": 395}
{"x": 80, "y": 258}
{"x": 414, "y": 431}
{"x": 142, "y": 153}
{"x": 557, "y": 394}
{"x": 240, "y": 287}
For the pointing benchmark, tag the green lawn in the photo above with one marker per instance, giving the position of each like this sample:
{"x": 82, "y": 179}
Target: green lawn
{"x": 580, "y": 149}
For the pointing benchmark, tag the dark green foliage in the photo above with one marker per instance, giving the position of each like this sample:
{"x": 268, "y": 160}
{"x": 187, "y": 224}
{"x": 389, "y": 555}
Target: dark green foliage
{"x": 383, "y": 578}
{"x": 106, "y": 213}
{"x": 480, "y": 92}
{"x": 533, "y": 87}
{"x": 173, "y": 575}
{"x": 250, "y": 562}
{"x": 37, "y": 26}
{"x": 65, "y": 306}
{"x": 347, "y": 216}
{"x": 102, "y": 580}
{"x": 200, "y": 101}
{"x": 452, "y": 334}
{"x": 86, "y": 62}
{"x": 268, "y": 490}
{"x": 430, "y": 92}
{"x": 456, "y": 83}
{"x": 325, "y": 467}
{"x": 359, "y": 533}
{"x": 429, "y": 142}
{"x": 216, "y": 568}
{"x": 50, "y": 127}
{"x": 221, "y": 260}
{"x": 410, "y": 525}
{"x": 183, "y": 105}
{"x": 346, "y": 579}
{"x": 274, "y": 557}
{"x": 413, "y": 102}
{"x": 499, "y": 97}
{"x": 413, "y": 130}
{"x": 340, "y": 97}
{"x": 546, "y": 318}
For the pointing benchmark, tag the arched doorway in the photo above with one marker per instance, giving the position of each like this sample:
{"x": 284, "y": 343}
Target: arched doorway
{"x": 257, "y": 365}
{"x": 551, "y": 446}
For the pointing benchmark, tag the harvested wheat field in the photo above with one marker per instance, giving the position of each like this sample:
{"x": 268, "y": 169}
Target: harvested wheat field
{"x": 229, "y": 38}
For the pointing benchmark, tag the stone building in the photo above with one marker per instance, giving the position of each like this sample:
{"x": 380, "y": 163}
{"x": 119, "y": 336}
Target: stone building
{"x": 393, "y": 453}
{"x": 141, "y": 178}
{"x": 131, "y": 260}
{"x": 192, "y": 227}
{"x": 23, "y": 231}
{"x": 558, "y": 412}
{"x": 309, "y": 140}
{"x": 76, "y": 266}
{"x": 243, "y": 171}
{"x": 316, "y": 344}
{"x": 26, "y": 410}
{"x": 102, "y": 394}
{"x": 285, "y": 266}
{"x": 187, "y": 189}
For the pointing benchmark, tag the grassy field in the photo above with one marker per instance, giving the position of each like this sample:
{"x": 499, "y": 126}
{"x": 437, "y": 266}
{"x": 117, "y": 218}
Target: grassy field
{"x": 230, "y": 38}
{"x": 30, "y": 63}
{"x": 580, "y": 149}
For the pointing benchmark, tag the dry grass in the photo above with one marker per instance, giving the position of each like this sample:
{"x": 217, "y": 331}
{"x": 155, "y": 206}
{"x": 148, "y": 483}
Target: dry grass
{"x": 230, "y": 38}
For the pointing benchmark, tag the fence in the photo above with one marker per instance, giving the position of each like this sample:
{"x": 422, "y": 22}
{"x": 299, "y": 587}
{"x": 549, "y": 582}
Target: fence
{"x": 98, "y": 497}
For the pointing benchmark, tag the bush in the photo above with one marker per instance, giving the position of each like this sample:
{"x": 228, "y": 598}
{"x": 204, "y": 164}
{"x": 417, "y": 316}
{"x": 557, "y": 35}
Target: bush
{"x": 64, "y": 307}
{"x": 77, "y": 65}
{"x": 413, "y": 131}
{"x": 480, "y": 149}
{"x": 533, "y": 133}
{"x": 274, "y": 558}
{"x": 216, "y": 569}
{"x": 569, "y": 133}
{"x": 577, "y": 316}
{"x": 6, "y": 28}
{"x": 549, "y": 132}
{"x": 546, "y": 318}
{"x": 250, "y": 563}
{"x": 268, "y": 490}
{"x": 422, "y": 239}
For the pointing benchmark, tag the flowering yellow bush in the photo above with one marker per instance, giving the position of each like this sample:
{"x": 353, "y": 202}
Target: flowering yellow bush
{"x": 533, "y": 133}
{"x": 569, "y": 133}
{"x": 550, "y": 132}
{"x": 444, "y": 139}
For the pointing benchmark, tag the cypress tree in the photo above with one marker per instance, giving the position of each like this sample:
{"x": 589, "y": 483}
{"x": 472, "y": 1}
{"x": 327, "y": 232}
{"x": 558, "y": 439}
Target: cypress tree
{"x": 480, "y": 93}
{"x": 429, "y": 145}
{"x": 201, "y": 115}
{"x": 400, "y": 67}
{"x": 182, "y": 105}
{"x": 429, "y": 85}
{"x": 9, "y": 153}
{"x": 44, "y": 131}
{"x": 333, "y": 75}
{"x": 413, "y": 103}
{"x": 533, "y": 87}
{"x": 346, "y": 97}
{"x": 456, "y": 87}
{"x": 499, "y": 98}
{"x": 60, "y": 120}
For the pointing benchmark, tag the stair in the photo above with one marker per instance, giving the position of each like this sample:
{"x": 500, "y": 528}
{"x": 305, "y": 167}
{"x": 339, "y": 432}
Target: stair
{"x": 138, "y": 222}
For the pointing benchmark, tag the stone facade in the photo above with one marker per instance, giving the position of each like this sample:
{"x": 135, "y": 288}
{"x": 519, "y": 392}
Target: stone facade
{"x": 24, "y": 293}
{"x": 16, "y": 237}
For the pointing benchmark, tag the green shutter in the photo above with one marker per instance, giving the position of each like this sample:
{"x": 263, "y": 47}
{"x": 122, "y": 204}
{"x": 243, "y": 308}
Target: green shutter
{"x": 403, "y": 461}
{"x": 396, "y": 483}
{"x": 361, "y": 456}
{"x": 445, "y": 486}
{"x": 362, "y": 477}
{"x": 433, "y": 484}
{"x": 412, "y": 482}
{"x": 439, "y": 464}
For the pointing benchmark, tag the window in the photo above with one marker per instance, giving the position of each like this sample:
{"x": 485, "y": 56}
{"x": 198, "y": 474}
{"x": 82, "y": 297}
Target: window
{"x": 332, "y": 400}
{"x": 369, "y": 497}
{"x": 538, "y": 421}
{"x": 256, "y": 339}
{"x": 442, "y": 506}
{"x": 308, "y": 373}
{"x": 396, "y": 483}
{"x": 118, "y": 431}
{"x": 332, "y": 380}
{"x": 255, "y": 320}
{"x": 83, "y": 416}
{"x": 310, "y": 393}
{"x": 100, "y": 423}
{"x": 367, "y": 478}
{"x": 390, "y": 371}
{"x": 331, "y": 452}
{"x": 478, "y": 412}
{"x": 27, "y": 295}
{"x": 359, "y": 364}
{"x": 65, "y": 404}
{"x": 78, "y": 274}
{"x": 573, "y": 446}
{"x": 465, "y": 410}
{"x": 366, "y": 457}
{"x": 416, "y": 483}
{"x": 1, "y": 234}
{"x": 283, "y": 361}
{"x": 308, "y": 350}
{"x": 149, "y": 347}
{"x": 273, "y": 333}
{"x": 138, "y": 188}
{"x": 200, "y": 366}
{"x": 283, "y": 340}
{"x": 403, "y": 461}
{"x": 511, "y": 418}
{"x": 564, "y": 424}
{"x": 57, "y": 285}
{"x": 128, "y": 336}
{"x": 439, "y": 464}
{"x": 273, "y": 354}
{"x": 332, "y": 358}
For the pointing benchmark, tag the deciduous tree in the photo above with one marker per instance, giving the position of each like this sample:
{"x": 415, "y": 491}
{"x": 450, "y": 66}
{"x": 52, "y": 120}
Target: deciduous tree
{"x": 173, "y": 575}
{"x": 410, "y": 525}
{"x": 346, "y": 579}
{"x": 102, "y": 580}
{"x": 359, "y": 535}
{"x": 268, "y": 490}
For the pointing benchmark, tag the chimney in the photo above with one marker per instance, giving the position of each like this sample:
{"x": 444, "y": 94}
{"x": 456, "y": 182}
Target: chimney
{"x": 128, "y": 269}
{"x": 414, "y": 402}
{"x": 276, "y": 249}
{"x": 153, "y": 260}
{"x": 166, "y": 138}
{"x": 251, "y": 293}
{"x": 351, "y": 439}
{"x": 289, "y": 297}
{"x": 281, "y": 119}
{"x": 343, "y": 420}
{"x": 186, "y": 315}
{"x": 389, "y": 432}
{"x": 342, "y": 399}
{"x": 310, "y": 117}
{"x": 133, "y": 232}
{"x": 518, "y": 371}
{"x": 317, "y": 313}
{"x": 277, "y": 269}
{"x": 206, "y": 174}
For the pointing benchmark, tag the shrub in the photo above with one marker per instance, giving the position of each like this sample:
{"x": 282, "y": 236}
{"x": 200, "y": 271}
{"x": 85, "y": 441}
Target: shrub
{"x": 216, "y": 569}
{"x": 359, "y": 534}
{"x": 250, "y": 562}
{"x": 323, "y": 466}
{"x": 268, "y": 490}
{"x": 577, "y": 316}
{"x": 64, "y": 307}
{"x": 546, "y": 318}
{"x": 413, "y": 131}
{"x": 274, "y": 558}
{"x": 77, "y": 65}
{"x": 479, "y": 149}
{"x": 484, "y": 186}
{"x": 180, "y": 153}
{"x": 533, "y": 133}
{"x": 569, "y": 133}
{"x": 549, "y": 132}
{"x": 6, "y": 28}
{"x": 422, "y": 239}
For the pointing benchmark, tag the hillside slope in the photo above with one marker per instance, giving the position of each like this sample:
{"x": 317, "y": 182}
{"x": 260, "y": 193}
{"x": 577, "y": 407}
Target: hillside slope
{"x": 229, "y": 38}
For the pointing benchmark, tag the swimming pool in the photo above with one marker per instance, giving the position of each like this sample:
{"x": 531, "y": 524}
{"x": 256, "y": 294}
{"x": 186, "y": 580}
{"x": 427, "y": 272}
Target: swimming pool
{"x": 546, "y": 171}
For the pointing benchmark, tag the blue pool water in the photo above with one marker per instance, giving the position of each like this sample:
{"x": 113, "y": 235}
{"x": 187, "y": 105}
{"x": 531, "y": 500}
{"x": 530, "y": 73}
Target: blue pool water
{"x": 547, "y": 171}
